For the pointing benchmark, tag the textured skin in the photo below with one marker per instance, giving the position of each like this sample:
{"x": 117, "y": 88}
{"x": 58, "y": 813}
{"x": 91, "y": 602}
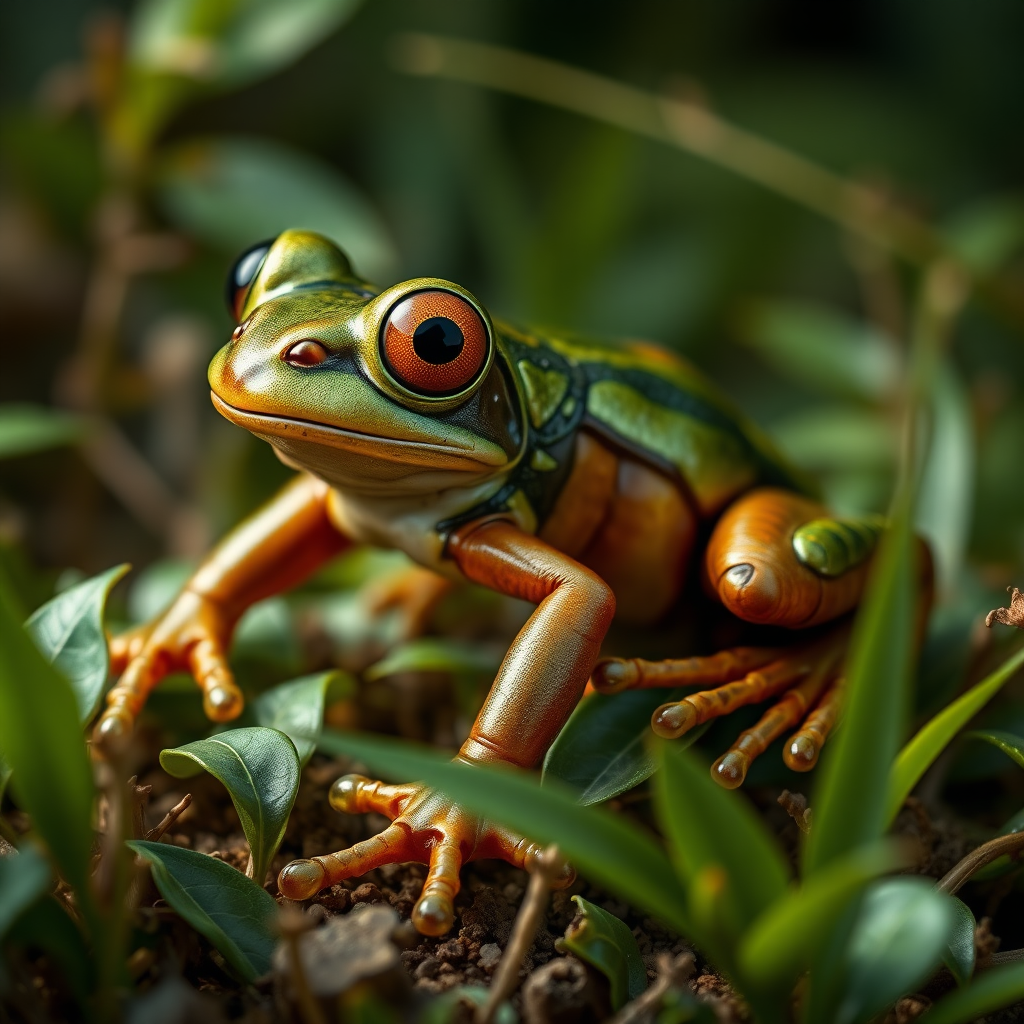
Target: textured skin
{"x": 567, "y": 474}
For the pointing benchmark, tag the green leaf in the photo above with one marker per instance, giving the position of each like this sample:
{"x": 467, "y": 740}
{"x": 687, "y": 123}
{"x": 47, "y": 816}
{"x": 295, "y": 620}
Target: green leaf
{"x": 41, "y": 740}
{"x": 898, "y": 939}
{"x": 783, "y": 940}
{"x": 447, "y": 1008}
{"x": 232, "y": 911}
{"x": 69, "y": 631}
{"x": 296, "y": 708}
{"x": 823, "y": 348}
{"x": 603, "y": 941}
{"x": 837, "y": 437}
{"x": 25, "y": 429}
{"x": 933, "y": 737}
{"x": 620, "y": 856}
{"x": 232, "y": 192}
{"x": 228, "y": 44}
{"x": 5, "y": 776}
{"x": 260, "y": 770}
{"x": 708, "y": 826}
{"x": 431, "y": 655}
{"x": 1012, "y": 746}
{"x": 946, "y": 494}
{"x": 996, "y": 988}
{"x": 987, "y": 233}
{"x": 959, "y": 953}
{"x": 603, "y": 749}
{"x": 24, "y": 877}
{"x": 850, "y": 796}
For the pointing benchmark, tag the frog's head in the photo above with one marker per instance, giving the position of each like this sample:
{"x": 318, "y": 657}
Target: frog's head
{"x": 377, "y": 392}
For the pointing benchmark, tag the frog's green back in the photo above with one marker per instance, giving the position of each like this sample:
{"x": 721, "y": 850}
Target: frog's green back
{"x": 653, "y": 404}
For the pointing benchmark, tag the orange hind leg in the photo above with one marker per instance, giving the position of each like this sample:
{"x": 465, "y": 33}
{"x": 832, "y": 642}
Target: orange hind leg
{"x": 774, "y": 558}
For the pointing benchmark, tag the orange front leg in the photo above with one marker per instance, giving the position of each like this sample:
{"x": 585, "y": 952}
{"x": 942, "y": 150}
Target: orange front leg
{"x": 274, "y": 549}
{"x": 539, "y": 683}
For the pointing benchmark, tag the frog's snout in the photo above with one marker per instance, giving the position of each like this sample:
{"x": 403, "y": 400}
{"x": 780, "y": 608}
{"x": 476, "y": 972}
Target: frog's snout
{"x": 750, "y": 591}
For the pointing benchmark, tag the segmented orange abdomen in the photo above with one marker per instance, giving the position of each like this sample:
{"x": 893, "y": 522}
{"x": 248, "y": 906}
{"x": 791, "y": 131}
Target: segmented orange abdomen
{"x": 752, "y": 565}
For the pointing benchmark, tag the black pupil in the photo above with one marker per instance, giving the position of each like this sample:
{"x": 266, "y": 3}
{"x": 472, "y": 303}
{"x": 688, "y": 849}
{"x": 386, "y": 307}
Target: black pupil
{"x": 438, "y": 340}
{"x": 245, "y": 269}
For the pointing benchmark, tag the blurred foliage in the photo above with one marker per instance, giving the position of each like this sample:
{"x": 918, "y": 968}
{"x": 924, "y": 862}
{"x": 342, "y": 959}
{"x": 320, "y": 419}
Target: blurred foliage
{"x": 143, "y": 144}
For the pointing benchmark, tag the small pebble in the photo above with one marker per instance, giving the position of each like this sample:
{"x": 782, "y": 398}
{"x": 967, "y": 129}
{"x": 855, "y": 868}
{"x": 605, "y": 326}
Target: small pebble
{"x": 490, "y": 954}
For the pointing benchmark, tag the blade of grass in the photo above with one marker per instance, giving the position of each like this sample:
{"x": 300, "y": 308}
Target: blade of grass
{"x": 990, "y": 991}
{"x": 605, "y": 847}
{"x": 933, "y": 737}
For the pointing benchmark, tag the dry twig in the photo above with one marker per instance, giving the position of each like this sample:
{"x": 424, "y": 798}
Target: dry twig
{"x": 673, "y": 973}
{"x": 169, "y": 818}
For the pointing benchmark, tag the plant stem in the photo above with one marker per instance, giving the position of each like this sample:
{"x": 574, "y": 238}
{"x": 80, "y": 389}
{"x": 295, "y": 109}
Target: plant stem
{"x": 978, "y": 858}
{"x": 506, "y": 978}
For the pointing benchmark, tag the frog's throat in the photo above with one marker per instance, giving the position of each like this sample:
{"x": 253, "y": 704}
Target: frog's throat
{"x": 446, "y": 454}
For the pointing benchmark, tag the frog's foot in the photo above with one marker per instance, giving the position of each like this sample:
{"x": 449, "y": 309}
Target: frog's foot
{"x": 808, "y": 677}
{"x": 426, "y": 827}
{"x": 414, "y": 593}
{"x": 190, "y": 637}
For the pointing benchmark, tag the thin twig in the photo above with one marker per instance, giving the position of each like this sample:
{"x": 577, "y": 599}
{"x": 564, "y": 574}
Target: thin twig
{"x": 978, "y": 858}
{"x": 154, "y": 834}
{"x": 673, "y": 973}
{"x": 506, "y": 978}
{"x": 685, "y": 122}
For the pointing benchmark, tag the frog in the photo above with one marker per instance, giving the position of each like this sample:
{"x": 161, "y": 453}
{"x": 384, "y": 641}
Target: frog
{"x": 591, "y": 479}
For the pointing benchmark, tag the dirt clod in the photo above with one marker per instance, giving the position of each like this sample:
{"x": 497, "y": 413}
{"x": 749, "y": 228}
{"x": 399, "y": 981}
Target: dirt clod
{"x": 564, "y": 992}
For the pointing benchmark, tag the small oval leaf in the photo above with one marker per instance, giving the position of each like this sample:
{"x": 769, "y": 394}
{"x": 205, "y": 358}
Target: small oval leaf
{"x": 296, "y": 708}
{"x": 900, "y": 935}
{"x": 603, "y": 941}
{"x": 959, "y": 953}
{"x": 230, "y": 910}
{"x": 603, "y": 750}
{"x": 69, "y": 631}
{"x": 260, "y": 770}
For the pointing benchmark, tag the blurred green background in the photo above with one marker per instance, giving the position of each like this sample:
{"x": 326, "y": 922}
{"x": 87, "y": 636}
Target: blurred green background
{"x": 144, "y": 145}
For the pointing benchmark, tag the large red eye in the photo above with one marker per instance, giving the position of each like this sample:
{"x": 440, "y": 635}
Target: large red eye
{"x": 434, "y": 342}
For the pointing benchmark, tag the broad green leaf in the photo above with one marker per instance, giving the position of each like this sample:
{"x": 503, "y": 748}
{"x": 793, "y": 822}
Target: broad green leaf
{"x": 233, "y": 192}
{"x": 41, "y": 740}
{"x": 24, "y": 877}
{"x": 782, "y": 941}
{"x": 69, "y": 631}
{"x": 232, "y": 911}
{"x": 899, "y": 937}
{"x": 297, "y": 708}
{"x": 260, "y": 770}
{"x": 992, "y": 990}
{"x": 933, "y": 737}
{"x": 603, "y": 941}
{"x": 25, "y": 429}
{"x": 266, "y": 636}
{"x": 987, "y": 233}
{"x": 708, "y": 826}
{"x": 1012, "y": 746}
{"x": 5, "y": 776}
{"x": 850, "y": 797}
{"x": 946, "y": 495}
{"x": 230, "y": 43}
{"x": 604, "y": 748}
{"x": 431, "y": 655}
{"x": 824, "y": 348}
{"x": 837, "y": 437}
{"x": 614, "y": 853}
{"x": 959, "y": 953}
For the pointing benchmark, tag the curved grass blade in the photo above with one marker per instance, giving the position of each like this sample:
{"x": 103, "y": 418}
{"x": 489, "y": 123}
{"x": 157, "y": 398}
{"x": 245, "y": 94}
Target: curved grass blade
{"x": 606, "y": 943}
{"x": 782, "y": 941}
{"x": 990, "y": 991}
{"x": 230, "y": 910}
{"x": 1012, "y": 746}
{"x": 709, "y": 826}
{"x": 69, "y": 631}
{"x": 850, "y": 796}
{"x": 296, "y": 708}
{"x": 959, "y": 954}
{"x": 616, "y": 854}
{"x": 260, "y": 770}
{"x": 41, "y": 740}
{"x": 933, "y": 737}
{"x": 603, "y": 750}
{"x": 898, "y": 939}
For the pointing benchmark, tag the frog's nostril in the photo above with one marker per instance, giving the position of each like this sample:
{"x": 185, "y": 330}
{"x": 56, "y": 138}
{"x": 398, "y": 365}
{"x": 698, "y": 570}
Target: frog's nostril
{"x": 307, "y": 352}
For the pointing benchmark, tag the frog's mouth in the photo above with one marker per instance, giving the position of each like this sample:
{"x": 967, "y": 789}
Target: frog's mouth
{"x": 294, "y": 436}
